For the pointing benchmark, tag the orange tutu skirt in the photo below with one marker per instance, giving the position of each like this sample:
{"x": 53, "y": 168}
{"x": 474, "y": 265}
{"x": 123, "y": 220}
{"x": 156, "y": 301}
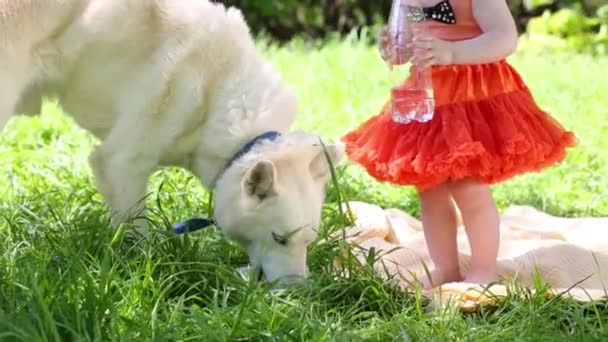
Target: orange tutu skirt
{"x": 486, "y": 126}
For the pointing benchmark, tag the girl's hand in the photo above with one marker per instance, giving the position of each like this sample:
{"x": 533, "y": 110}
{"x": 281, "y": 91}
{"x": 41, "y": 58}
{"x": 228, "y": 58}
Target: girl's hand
{"x": 384, "y": 44}
{"x": 430, "y": 51}
{"x": 390, "y": 52}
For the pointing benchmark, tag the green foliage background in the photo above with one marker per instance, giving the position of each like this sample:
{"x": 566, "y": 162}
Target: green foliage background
{"x": 581, "y": 25}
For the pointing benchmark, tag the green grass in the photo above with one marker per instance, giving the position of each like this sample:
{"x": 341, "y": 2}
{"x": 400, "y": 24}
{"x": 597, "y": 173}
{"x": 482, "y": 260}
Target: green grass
{"x": 65, "y": 276}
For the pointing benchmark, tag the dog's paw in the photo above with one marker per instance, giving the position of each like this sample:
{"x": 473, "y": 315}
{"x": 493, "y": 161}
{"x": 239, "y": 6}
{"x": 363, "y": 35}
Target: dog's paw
{"x": 133, "y": 230}
{"x": 133, "y": 236}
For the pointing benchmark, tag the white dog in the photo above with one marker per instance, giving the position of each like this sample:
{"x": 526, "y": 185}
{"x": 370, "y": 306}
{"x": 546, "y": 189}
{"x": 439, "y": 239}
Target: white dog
{"x": 174, "y": 82}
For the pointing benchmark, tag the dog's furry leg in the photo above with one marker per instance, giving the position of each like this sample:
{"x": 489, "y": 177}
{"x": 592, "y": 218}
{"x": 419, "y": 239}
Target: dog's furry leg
{"x": 121, "y": 173}
{"x": 9, "y": 95}
{"x": 14, "y": 78}
{"x": 30, "y": 103}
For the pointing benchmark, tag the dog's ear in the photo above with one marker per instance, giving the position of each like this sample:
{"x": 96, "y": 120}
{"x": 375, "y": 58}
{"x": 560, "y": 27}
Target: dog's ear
{"x": 320, "y": 165}
{"x": 259, "y": 180}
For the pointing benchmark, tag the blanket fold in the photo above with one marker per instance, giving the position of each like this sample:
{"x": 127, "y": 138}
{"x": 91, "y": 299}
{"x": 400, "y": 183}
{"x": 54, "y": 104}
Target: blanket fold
{"x": 569, "y": 254}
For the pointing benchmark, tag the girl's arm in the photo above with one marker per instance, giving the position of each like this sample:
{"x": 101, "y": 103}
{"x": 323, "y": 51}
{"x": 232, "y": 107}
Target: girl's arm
{"x": 499, "y": 38}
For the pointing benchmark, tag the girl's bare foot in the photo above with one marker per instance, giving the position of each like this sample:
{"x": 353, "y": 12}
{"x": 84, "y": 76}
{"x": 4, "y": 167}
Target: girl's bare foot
{"x": 440, "y": 277}
{"x": 481, "y": 276}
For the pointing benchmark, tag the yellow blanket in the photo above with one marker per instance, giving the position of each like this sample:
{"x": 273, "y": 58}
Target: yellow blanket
{"x": 570, "y": 254}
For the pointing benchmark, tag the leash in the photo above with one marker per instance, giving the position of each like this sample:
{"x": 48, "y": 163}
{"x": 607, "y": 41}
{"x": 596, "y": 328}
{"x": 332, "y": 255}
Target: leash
{"x": 195, "y": 224}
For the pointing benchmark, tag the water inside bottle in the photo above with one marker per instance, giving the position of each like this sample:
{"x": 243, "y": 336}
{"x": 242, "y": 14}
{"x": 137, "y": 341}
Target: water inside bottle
{"x": 413, "y": 100}
{"x": 411, "y": 105}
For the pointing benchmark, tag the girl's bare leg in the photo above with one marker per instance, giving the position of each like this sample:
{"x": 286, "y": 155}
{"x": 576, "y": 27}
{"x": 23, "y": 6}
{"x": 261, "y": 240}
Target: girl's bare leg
{"x": 439, "y": 224}
{"x": 482, "y": 223}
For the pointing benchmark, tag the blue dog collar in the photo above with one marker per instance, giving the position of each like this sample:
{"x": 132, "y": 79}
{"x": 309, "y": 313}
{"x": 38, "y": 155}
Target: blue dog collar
{"x": 192, "y": 225}
{"x": 195, "y": 224}
{"x": 270, "y": 135}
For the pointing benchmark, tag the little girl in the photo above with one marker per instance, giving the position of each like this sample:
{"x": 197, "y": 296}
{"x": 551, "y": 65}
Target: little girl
{"x": 486, "y": 128}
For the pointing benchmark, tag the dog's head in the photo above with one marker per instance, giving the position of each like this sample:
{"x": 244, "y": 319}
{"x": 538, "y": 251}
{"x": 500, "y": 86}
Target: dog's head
{"x": 271, "y": 200}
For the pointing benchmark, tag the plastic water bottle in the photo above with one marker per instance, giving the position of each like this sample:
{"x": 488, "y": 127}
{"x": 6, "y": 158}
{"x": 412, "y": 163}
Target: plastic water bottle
{"x": 412, "y": 100}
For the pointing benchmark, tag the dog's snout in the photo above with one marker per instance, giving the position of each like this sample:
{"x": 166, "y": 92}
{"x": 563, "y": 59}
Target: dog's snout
{"x": 260, "y": 276}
